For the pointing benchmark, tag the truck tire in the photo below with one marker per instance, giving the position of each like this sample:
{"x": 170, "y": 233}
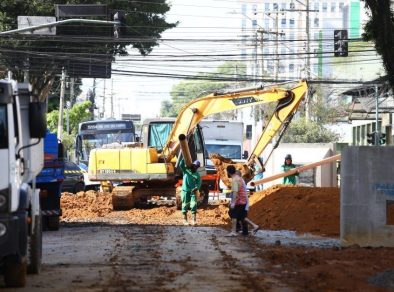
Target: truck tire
{"x": 15, "y": 273}
{"x": 35, "y": 247}
{"x": 53, "y": 223}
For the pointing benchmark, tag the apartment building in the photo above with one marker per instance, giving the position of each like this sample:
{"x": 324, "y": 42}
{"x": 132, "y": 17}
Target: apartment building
{"x": 279, "y": 42}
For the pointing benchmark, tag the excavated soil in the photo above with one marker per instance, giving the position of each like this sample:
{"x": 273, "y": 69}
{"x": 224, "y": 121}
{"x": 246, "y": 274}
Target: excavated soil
{"x": 301, "y": 209}
{"x": 96, "y": 206}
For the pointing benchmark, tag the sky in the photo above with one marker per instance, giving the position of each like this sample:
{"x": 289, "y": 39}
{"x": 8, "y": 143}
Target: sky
{"x": 204, "y": 19}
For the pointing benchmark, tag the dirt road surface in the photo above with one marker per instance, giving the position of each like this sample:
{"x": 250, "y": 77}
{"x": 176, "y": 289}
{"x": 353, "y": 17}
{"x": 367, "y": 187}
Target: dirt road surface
{"x": 95, "y": 257}
{"x": 98, "y": 249}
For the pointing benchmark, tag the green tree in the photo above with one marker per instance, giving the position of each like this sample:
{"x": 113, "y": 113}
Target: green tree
{"x": 185, "y": 91}
{"x": 301, "y": 131}
{"x": 380, "y": 29}
{"x": 44, "y": 56}
{"x": 316, "y": 130}
{"x": 77, "y": 114}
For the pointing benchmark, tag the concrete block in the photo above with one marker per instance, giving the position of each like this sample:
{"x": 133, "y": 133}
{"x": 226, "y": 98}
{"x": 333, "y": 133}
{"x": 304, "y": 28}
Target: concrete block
{"x": 367, "y": 185}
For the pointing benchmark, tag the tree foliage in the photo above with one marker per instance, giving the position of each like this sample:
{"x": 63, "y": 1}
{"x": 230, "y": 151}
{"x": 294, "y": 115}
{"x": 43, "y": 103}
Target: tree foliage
{"x": 380, "y": 29}
{"x": 185, "y": 91}
{"x": 44, "y": 56}
{"x": 316, "y": 131}
{"x": 77, "y": 114}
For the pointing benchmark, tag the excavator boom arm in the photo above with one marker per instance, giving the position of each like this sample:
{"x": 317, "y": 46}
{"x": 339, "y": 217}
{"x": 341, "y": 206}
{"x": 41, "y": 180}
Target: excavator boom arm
{"x": 192, "y": 113}
{"x": 279, "y": 120}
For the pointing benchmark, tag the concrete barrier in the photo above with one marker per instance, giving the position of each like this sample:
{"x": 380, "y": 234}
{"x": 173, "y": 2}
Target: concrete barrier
{"x": 367, "y": 187}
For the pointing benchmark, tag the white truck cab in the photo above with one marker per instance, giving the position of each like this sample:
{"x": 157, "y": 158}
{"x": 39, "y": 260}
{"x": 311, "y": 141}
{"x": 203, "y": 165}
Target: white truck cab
{"x": 22, "y": 127}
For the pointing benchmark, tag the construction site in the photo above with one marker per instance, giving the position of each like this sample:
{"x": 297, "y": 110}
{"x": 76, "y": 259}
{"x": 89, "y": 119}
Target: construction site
{"x": 297, "y": 247}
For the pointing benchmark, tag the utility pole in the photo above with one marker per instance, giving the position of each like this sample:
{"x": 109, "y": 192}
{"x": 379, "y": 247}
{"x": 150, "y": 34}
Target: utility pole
{"x": 112, "y": 98}
{"x": 104, "y": 99}
{"x": 61, "y": 104}
{"x": 308, "y": 65}
{"x": 277, "y": 47}
{"x": 377, "y": 130}
{"x": 72, "y": 92}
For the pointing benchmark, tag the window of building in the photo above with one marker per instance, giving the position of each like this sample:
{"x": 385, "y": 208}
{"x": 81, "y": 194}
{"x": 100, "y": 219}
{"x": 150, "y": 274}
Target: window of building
{"x": 283, "y": 6}
{"x": 292, "y": 5}
{"x": 324, "y": 7}
{"x": 254, "y": 9}
{"x": 291, "y": 67}
{"x": 333, "y": 6}
{"x": 341, "y": 7}
{"x": 275, "y": 6}
{"x": 266, "y": 23}
{"x": 283, "y": 22}
{"x": 254, "y": 23}
{"x": 316, "y": 22}
{"x": 291, "y": 36}
{"x": 243, "y": 8}
{"x": 291, "y": 22}
{"x": 316, "y": 6}
{"x": 267, "y": 7}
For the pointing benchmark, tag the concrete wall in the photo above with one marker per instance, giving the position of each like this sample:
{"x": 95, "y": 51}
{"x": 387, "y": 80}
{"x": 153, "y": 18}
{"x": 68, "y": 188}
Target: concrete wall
{"x": 303, "y": 153}
{"x": 367, "y": 185}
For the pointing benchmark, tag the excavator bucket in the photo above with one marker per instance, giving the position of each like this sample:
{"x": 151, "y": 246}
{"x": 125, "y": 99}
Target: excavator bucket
{"x": 221, "y": 164}
{"x": 123, "y": 198}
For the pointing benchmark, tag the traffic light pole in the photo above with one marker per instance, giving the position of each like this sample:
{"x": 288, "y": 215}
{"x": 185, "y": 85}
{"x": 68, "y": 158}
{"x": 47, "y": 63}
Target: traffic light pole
{"x": 377, "y": 130}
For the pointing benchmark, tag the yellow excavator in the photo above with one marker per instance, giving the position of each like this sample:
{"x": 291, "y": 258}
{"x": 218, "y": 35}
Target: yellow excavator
{"x": 150, "y": 168}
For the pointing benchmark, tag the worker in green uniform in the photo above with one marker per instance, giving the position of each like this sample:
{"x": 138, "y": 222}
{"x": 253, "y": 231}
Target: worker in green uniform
{"x": 288, "y": 165}
{"x": 190, "y": 187}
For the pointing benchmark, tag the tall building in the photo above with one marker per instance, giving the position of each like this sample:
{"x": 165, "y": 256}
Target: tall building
{"x": 279, "y": 42}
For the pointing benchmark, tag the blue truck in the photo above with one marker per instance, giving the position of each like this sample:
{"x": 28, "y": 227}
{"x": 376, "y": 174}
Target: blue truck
{"x": 50, "y": 180}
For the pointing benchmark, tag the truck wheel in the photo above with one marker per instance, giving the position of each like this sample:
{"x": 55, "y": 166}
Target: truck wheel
{"x": 35, "y": 247}
{"x": 53, "y": 223}
{"x": 15, "y": 273}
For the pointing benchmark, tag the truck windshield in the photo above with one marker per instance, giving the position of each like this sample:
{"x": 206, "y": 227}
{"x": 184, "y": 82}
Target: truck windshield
{"x": 95, "y": 134}
{"x": 158, "y": 134}
{"x": 228, "y": 151}
{"x": 92, "y": 141}
{"x": 3, "y": 127}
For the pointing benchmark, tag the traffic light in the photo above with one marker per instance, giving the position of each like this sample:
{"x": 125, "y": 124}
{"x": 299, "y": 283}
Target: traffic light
{"x": 120, "y": 28}
{"x": 340, "y": 43}
{"x": 382, "y": 139}
{"x": 371, "y": 138}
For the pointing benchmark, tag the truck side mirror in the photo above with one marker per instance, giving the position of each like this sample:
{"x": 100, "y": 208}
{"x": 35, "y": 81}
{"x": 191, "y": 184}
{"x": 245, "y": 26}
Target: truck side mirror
{"x": 78, "y": 146}
{"x": 245, "y": 155}
{"x": 37, "y": 119}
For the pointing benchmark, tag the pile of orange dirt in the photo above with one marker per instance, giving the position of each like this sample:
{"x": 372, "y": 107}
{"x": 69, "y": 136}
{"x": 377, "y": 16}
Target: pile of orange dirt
{"x": 301, "y": 209}
{"x": 97, "y": 207}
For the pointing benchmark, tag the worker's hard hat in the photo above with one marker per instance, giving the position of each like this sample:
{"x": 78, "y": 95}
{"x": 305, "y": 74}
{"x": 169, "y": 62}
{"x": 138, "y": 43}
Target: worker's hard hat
{"x": 197, "y": 163}
{"x": 288, "y": 156}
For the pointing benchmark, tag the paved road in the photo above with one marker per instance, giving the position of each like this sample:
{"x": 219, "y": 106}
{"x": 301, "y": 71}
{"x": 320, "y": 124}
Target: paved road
{"x": 93, "y": 257}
